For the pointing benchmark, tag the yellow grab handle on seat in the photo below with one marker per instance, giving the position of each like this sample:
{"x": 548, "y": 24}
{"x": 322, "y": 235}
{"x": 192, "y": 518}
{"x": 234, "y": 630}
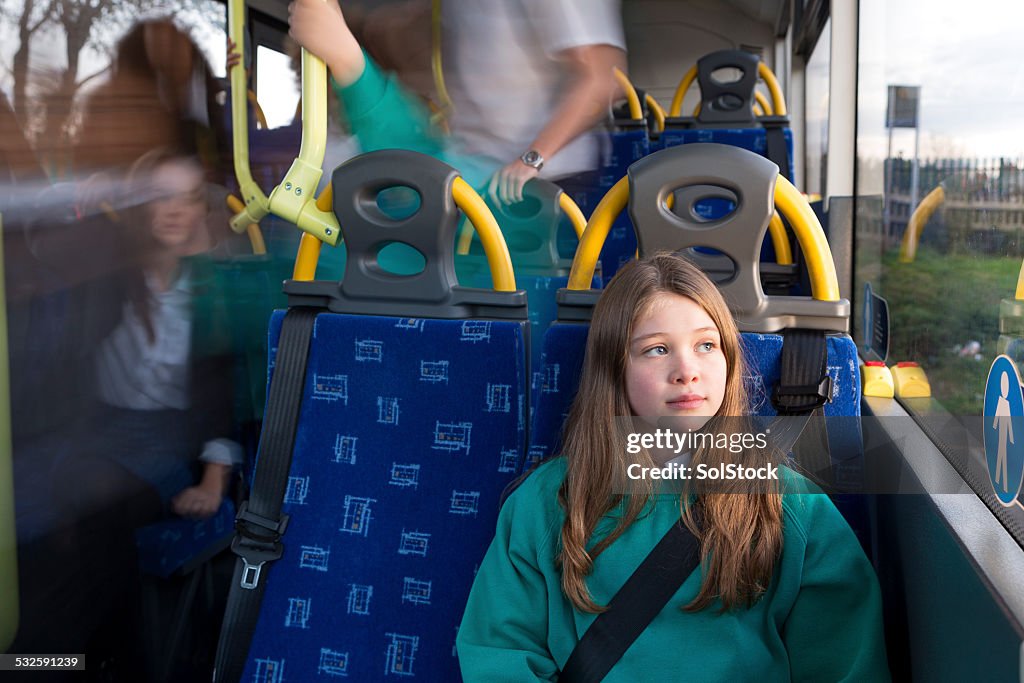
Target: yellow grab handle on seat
{"x": 778, "y": 101}
{"x": 659, "y": 112}
{"x": 480, "y": 216}
{"x": 778, "y": 106}
{"x": 636, "y": 112}
{"x": 565, "y": 202}
{"x": 918, "y": 219}
{"x": 788, "y": 200}
{"x": 261, "y": 118}
{"x": 309, "y": 246}
{"x": 256, "y": 203}
{"x": 259, "y": 247}
{"x": 292, "y": 199}
{"x": 684, "y": 85}
{"x": 572, "y": 210}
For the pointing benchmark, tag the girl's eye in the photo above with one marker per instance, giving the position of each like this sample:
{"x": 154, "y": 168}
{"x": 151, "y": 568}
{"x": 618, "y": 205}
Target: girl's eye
{"x": 706, "y": 347}
{"x": 658, "y": 350}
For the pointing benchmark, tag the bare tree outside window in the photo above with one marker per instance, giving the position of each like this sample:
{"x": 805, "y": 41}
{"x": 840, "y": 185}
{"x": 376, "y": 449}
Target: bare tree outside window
{"x": 53, "y": 51}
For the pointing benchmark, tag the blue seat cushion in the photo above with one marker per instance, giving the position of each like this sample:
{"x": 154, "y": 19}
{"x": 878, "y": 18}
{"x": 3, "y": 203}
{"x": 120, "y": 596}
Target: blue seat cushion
{"x": 168, "y": 545}
{"x": 409, "y": 430}
{"x": 562, "y": 363}
{"x": 753, "y": 139}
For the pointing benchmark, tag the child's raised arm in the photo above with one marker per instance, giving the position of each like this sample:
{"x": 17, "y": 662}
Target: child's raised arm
{"x": 319, "y": 26}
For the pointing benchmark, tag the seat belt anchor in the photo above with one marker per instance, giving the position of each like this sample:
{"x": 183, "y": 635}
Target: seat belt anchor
{"x": 257, "y": 541}
{"x": 250, "y": 574}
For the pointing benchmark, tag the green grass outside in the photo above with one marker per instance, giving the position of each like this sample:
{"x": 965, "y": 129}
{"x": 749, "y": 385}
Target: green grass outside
{"x": 940, "y": 302}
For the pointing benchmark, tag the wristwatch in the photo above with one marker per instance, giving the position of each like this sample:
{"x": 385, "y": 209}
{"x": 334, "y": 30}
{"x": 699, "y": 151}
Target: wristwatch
{"x": 533, "y": 159}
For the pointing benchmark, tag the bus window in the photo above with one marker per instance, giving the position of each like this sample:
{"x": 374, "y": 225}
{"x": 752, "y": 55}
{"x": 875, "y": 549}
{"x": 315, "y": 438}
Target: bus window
{"x": 277, "y": 88}
{"x": 816, "y": 112}
{"x": 933, "y": 113}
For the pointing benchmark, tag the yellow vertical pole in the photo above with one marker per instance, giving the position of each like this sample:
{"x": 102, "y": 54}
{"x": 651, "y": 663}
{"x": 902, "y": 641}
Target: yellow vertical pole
{"x": 8, "y": 540}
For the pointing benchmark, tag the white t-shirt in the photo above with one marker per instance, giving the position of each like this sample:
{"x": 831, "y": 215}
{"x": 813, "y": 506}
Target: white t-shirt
{"x": 504, "y": 79}
{"x": 136, "y": 374}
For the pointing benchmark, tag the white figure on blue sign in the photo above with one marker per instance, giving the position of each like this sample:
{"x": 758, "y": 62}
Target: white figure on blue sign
{"x": 1003, "y": 423}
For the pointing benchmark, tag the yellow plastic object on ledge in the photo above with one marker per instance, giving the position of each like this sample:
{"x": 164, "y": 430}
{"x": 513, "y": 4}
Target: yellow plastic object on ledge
{"x": 876, "y": 379}
{"x": 909, "y": 381}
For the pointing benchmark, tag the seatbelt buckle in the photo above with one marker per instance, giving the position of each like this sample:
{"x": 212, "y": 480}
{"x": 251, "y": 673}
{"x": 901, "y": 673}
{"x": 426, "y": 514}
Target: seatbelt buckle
{"x": 257, "y": 541}
{"x": 814, "y": 395}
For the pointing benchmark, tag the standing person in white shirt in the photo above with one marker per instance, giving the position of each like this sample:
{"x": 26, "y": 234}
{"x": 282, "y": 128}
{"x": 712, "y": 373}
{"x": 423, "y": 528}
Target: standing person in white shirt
{"x": 527, "y": 79}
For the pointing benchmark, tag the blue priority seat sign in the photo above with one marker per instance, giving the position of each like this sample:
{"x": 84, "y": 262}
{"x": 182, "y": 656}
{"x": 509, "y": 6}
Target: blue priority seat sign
{"x": 1004, "y": 430}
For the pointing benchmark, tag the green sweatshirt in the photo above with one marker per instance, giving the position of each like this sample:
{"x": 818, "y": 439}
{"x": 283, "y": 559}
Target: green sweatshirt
{"x": 820, "y": 619}
{"x": 383, "y": 115}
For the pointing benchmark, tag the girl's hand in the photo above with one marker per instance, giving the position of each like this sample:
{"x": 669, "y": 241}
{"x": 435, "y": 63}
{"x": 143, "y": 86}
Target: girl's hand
{"x": 319, "y": 27}
{"x": 196, "y": 502}
{"x": 234, "y": 58}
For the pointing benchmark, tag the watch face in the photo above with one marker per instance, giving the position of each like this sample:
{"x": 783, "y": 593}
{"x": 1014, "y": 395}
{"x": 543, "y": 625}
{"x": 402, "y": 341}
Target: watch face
{"x": 533, "y": 158}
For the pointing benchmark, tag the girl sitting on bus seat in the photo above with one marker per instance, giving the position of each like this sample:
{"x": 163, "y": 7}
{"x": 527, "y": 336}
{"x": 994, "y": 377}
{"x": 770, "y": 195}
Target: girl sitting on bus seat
{"x": 783, "y": 590}
{"x": 163, "y": 386}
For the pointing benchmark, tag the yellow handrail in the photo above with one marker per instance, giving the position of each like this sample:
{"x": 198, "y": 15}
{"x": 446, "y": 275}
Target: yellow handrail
{"x": 293, "y": 198}
{"x": 636, "y": 112}
{"x": 8, "y": 536}
{"x": 575, "y": 214}
{"x": 918, "y": 219}
{"x": 684, "y": 85}
{"x": 598, "y": 227}
{"x": 259, "y": 247}
{"x": 659, "y": 112}
{"x": 565, "y": 202}
{"x": 309, "y": 246}
{"x": 778, "y": 101}
{"x": 480, "y": 216}
{"x": 814, "y": 245}
{"x": 778, "y": 105}
{"x": 261, "y": 119}
{"x": 256, "y": 204}
{"x": 783, "y": 254}
{"x": 1019, "y": 295}
{"x": 444, "y": 104}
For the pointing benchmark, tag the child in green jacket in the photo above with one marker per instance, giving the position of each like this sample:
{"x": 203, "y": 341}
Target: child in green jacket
{"x": 783, "y": 590}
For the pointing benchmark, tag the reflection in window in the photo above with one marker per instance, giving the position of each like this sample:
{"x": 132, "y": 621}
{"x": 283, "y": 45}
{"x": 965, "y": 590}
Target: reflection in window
{"x": 946, "y": 278}
{"x": 47, "y": 76}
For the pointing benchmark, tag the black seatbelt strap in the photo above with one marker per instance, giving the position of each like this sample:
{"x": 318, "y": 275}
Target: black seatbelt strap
{"x": 259, "y": 524}
{"x": 775, "y": 143}
{"x": 634, "y": 606}
{"x": 803, "y": 389}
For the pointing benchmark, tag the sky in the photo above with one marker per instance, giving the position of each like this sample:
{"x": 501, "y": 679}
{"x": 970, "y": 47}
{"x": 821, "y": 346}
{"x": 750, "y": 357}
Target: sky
{"x": 967, "y": 59}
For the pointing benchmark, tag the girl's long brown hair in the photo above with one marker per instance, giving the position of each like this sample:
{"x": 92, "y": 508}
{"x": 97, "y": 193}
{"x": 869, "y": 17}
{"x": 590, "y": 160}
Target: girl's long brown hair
{"x": 740, "y": 532}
